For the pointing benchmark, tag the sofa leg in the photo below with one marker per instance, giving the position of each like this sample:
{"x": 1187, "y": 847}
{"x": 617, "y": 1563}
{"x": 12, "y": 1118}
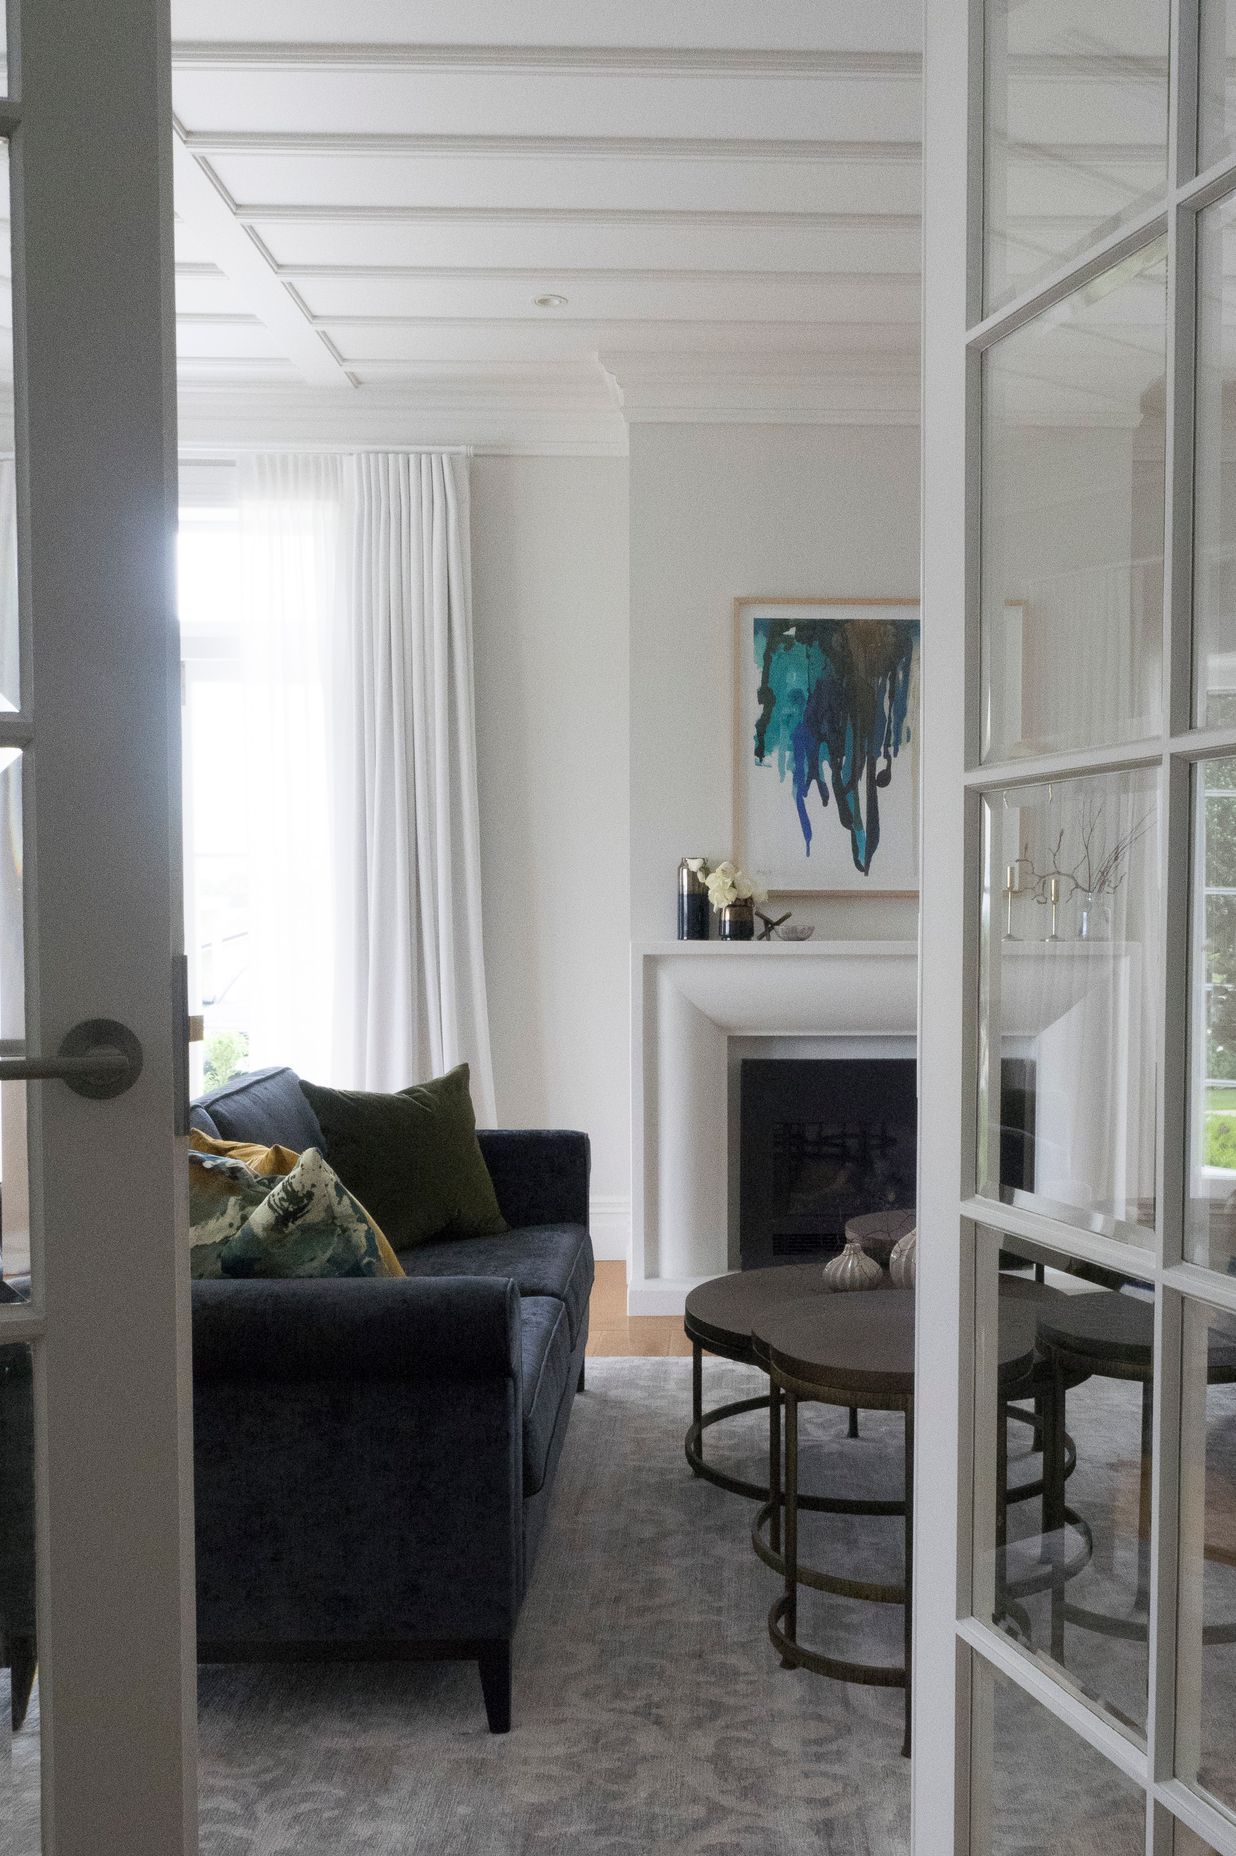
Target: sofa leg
{"x": 583, "y": 1376}
{"x": 23, "y": 1659}
{"x": 495, "y": 1665}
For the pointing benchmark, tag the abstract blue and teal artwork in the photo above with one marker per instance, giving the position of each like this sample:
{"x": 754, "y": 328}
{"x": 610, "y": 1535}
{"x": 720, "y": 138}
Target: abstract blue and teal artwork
{"x": 827, "y": 791}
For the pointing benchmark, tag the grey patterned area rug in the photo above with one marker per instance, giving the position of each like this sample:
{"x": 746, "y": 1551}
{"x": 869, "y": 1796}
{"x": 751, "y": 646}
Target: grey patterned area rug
{"x": 651, "y": 1713}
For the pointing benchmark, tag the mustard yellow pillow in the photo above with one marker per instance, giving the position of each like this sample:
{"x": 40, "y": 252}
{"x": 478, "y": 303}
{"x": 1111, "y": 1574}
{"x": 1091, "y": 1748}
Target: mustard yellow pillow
{"x": 266, "y": 1162}
{"x": 223, "y": 1190}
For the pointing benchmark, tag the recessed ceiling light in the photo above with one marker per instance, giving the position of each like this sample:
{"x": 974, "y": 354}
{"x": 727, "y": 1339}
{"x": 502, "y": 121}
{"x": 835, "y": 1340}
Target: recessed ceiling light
{"x": 550, "y": 302}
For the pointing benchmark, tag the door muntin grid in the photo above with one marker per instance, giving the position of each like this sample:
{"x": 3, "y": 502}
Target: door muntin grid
{"x": 1171, "y": 1290}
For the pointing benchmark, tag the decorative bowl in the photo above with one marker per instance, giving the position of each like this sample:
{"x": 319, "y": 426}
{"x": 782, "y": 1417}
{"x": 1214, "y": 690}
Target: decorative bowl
{"x": 797, "y": 931}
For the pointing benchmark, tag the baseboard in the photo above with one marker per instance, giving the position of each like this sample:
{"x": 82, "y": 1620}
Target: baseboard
{"x": 610, "y": 1223}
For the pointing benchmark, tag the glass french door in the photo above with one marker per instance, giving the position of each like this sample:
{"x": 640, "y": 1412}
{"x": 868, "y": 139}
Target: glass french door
{"x": 97, "y": 1715}
{"x": 1075, "y": 1639}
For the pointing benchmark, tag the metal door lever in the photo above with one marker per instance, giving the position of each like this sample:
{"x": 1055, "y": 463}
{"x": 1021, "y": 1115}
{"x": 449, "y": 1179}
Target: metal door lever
{"x": 98, "y": 1058}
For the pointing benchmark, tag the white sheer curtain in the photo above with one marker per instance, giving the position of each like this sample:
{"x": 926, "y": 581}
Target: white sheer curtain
{"x": 290, "y": 513}
{"x": 366, "y": 967}
{"x": 410, "y": 975}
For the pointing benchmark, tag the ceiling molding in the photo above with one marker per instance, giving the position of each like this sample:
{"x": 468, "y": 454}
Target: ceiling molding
{"x": 570, "y": 215}
{"x": 581, "y": 274}
{"x": 803, "y": 388}
{"x": 489, "y": 413}
{"x": 211, "y": 143}
{"x": 689, "y": 61}
{"x": 206, "y": 207}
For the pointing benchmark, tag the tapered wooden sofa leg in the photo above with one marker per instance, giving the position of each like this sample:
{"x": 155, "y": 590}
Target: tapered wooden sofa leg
{"x": 495, "y": 1665}
{"x": 24, "y": 1661}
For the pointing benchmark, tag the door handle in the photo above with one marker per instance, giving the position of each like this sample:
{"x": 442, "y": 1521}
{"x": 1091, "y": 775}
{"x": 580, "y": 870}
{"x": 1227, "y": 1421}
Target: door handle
{"x": 98, "y": 1058}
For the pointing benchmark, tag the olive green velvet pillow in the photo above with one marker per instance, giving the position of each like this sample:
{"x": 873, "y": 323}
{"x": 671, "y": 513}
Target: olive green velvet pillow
{"x": 412, "y": 1159}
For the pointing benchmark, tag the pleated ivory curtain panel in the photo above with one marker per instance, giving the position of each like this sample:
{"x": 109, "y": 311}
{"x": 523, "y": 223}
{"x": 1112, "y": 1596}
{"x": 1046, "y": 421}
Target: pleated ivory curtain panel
{"x": 371, "y": 971}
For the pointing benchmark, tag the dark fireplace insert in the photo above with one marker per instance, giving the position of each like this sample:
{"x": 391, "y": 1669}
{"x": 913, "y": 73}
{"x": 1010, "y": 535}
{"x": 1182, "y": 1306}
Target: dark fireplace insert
{"x": 822, "y": 1140}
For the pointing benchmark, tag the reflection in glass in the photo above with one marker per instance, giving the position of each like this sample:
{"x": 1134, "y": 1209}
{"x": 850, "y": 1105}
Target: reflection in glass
{"x": 1038, "y": 1788}
{"x": 1068, "y": 1024}
{"x": 14, "y": 1194}
{"x": 1072, "y": 518}
{"x": 1214, "y": 595}
{"x": 1063, "y": 1561}
{"x": 1216, "y": 116}
{"x": 1186, "y": 1842}
{"x": 19, "y": 1706}
{"x": 1210, "y": 1224}
{"x": 10, "y": 655}
{"x": 1076, "y": 131}
{"x": 1206, "y": 1626}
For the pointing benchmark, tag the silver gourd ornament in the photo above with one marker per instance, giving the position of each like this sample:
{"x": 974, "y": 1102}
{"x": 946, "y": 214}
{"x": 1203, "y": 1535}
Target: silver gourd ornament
{"x": 903, "y": 1262}
{"x": 853, "y": 1269}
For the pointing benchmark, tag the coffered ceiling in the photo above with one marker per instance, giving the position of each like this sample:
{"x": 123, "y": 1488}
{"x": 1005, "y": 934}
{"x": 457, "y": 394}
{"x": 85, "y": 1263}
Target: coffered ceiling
{"x": 552, "y": 204}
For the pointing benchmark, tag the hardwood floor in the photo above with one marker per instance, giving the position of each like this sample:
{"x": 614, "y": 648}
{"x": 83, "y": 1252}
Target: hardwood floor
{"x": 614, "y": 1333}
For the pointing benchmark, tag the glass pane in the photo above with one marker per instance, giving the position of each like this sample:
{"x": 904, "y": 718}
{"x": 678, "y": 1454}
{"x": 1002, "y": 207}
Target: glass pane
{"x": 1038, "y": 1788}
{"x": 1216, "y": 122}
{"x": 1206, "y": 1638}
{"x": 14, "y": 1193}
{"x": 1076, "y": 133}
{"x": 1068, "y": 1009}
{"x": 1210, "y": 1220}
{"x": 1063, "y": 1560}
{"x": 1072, "y": 518}
{"x": 1186, "y": 1842}
{"x": 10, "y": 654}
{"x": 19, "y": 1699}
{"x": 1214, "y": 598}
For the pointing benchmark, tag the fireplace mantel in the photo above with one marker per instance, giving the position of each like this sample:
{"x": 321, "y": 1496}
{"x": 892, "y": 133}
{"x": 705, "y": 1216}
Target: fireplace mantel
{"x": 689, "y": 999}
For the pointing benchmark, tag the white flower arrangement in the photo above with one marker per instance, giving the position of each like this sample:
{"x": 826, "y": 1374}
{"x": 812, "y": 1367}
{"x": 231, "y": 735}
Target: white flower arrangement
{"x": 728, "y": 884}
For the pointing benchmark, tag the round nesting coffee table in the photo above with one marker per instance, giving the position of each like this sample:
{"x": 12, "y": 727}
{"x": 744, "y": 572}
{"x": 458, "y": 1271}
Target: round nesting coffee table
{"x": 1111, "y": 1336}
{"x": 719, "y": 1318}
{"x": 857, "y": 1350}
{"x": 877, "y": 1232}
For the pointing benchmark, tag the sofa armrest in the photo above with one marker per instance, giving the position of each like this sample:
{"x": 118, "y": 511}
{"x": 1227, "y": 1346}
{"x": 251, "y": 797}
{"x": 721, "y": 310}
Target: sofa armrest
{"x": 415, "y": 1329}
{"x": 539, "y": 1175}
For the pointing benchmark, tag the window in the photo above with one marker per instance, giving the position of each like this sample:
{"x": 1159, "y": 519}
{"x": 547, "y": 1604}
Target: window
{"x": 217, "y": 858}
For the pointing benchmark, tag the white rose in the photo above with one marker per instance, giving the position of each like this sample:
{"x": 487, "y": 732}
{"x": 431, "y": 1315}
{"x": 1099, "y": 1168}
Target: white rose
{"x": 759, "y": 893}
{"x": 696, "y": 864}
{"x": 744, "y": 886}
{"x": 727, "y": 870}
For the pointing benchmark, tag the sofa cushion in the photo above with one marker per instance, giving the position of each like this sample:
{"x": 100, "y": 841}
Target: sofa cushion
{"x": 546, "y": 1346}
{"x": 411, "y": 1157}
{"x": 267, "y": 1106}
{"x": 301, "y": 1224}
{"x": 547, "y": 1259}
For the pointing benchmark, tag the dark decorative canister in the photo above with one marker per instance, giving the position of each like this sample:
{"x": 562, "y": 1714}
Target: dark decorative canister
{"x": 692, "y": 900}
{"x": 738, "y": 921}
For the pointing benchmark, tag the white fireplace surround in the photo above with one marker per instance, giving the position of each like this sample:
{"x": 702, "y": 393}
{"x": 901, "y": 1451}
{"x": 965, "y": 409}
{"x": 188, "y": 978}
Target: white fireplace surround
{"x": 697, "y": 1006}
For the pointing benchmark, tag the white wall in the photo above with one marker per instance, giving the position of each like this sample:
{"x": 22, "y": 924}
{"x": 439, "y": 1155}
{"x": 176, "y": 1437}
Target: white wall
{"x": 723, "y": 510}
{"x": 549, "y": 558}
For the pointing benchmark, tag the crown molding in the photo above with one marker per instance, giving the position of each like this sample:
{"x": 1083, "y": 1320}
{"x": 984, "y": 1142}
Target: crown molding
{"x": 334, "y": 214}
{"x": 862, "y": 387}
{"x": 504, "y": 412}
{"x": 687, "y": 60}
{"x": 210, "y": 144}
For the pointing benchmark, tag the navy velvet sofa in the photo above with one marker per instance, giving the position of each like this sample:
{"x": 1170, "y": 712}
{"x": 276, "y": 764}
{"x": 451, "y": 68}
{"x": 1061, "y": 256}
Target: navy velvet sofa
{"x": 375, "y": 1459}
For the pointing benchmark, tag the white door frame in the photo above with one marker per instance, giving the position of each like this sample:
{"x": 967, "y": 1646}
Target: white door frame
{"x": 948, "y": 1639}
{"x": 91, "y": 140}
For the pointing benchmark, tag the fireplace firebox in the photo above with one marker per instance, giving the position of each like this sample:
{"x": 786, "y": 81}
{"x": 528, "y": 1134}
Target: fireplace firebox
{"x": 821, "y": 1141}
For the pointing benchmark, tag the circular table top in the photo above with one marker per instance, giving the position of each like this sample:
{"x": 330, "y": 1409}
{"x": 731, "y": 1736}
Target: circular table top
{"x": 864, "y": 1342}
{"x": 1109, "y": 1328}
{"x": 877, "y": 1232}
{"x": 723, "y": 1312}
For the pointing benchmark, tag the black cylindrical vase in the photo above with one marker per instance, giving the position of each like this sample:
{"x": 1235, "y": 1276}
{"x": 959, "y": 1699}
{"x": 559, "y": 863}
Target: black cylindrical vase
{"x": 692, "y": 901}
{"x": 738, "y": 922}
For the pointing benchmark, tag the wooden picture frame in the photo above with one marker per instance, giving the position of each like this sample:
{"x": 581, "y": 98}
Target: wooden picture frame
{"x": 810, "y": 693}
